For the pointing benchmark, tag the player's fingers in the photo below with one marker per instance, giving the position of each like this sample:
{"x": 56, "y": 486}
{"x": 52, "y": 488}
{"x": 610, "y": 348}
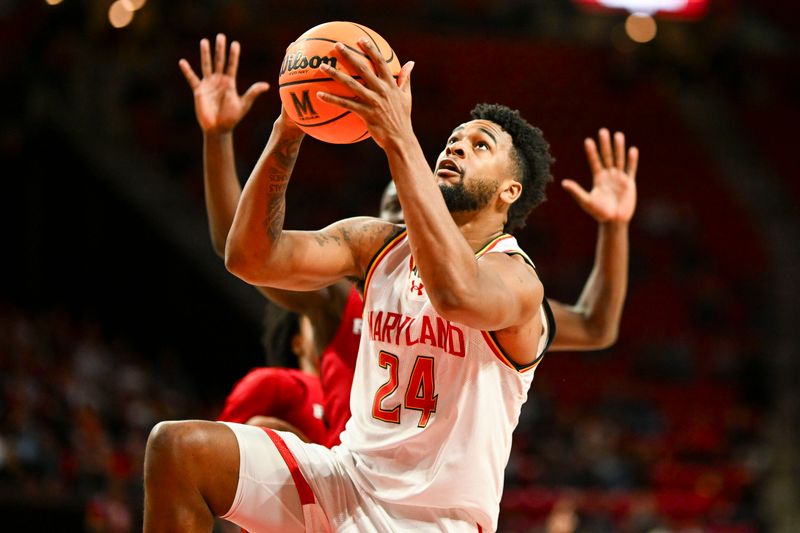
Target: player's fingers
{"x": 605, "y": 148}
{"x": 579, "y": 193}
{"x": 359, "y": 65}
{"x": 188, "y": 73}
{"x": 205, "y": 57}
{"x": 633, "y": 161}
{"x": 404, "y": 78}
{"x": 219, "y": 53}
{"x": 254, "y": 92}
{"x": 233, "y": 59}
{"x": 619, "y": 150}
{"x": 345, "y": 103}
{"x": 346, "y": 80}
{"x": 374, "y": 54}
{"x": 592, "y": 156}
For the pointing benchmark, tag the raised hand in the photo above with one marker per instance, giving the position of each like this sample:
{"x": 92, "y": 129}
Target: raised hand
{"x": 217, "y": 104}
{"x": 613, "y": 194}
{"x": 383, "y": 103}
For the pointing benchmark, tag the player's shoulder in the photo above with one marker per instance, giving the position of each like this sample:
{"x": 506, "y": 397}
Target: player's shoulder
{"x": 366, "y": 236}
{"x": 512, "y": 263}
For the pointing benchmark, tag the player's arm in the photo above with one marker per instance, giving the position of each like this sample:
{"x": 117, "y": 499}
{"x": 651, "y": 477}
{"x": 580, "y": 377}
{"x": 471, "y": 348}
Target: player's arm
{"x": 261, "y": 252}
{"x": 593, "y": 321}
{"x": 491, "y": 294}
{"x": 219, "y": 109}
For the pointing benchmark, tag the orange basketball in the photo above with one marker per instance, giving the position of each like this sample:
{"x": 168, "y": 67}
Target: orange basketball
{"x": 300, "y": 79}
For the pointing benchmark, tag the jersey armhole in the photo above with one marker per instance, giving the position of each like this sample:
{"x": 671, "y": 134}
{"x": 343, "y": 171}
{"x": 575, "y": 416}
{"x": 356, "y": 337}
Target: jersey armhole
{"x": 491, "y": 339}
{"x": 380, "y": 254}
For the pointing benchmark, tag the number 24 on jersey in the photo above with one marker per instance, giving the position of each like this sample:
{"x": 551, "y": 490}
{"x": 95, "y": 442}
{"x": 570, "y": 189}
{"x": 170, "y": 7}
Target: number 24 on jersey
{"x": 419, "y": 395}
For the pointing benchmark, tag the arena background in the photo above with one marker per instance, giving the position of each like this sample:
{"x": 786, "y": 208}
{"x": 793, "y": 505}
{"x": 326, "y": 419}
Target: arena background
{"x": 115, "y": 313}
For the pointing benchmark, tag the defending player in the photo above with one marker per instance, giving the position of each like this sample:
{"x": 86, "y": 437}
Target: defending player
{"x": 445, "y": 364}
{"x": 335, "y": 312}
{"x": 286, "y": 394}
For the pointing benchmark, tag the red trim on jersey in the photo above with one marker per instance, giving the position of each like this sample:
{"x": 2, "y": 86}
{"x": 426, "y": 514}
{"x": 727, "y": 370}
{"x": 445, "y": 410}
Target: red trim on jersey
{"x": 491, "y": 244}
{"x": 303, "y": 488}
{"x": 480, "y": 529}
{"x": 500, "y": 354}
{"x": 378, "y": 257}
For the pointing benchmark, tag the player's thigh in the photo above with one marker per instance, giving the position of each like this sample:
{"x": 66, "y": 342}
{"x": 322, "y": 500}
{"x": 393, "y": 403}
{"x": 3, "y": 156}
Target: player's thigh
{"x": 266, "y": 496}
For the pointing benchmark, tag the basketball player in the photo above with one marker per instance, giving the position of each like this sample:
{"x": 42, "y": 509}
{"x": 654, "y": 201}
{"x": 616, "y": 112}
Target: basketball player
{"x": 286, "y": 394}
{"x": 456, "y": 323}
{"x": 591, "y": 323}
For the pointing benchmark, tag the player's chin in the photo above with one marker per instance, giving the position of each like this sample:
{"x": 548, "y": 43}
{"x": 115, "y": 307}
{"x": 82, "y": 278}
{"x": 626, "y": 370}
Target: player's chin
{"x": 447, "y": 180}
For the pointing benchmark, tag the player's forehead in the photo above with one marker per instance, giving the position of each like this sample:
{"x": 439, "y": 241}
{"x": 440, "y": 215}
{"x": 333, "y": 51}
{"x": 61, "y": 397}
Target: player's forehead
{"x": 485, "y": 127}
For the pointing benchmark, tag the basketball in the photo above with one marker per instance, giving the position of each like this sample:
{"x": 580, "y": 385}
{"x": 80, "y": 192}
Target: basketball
{"x": 300, "y": 79}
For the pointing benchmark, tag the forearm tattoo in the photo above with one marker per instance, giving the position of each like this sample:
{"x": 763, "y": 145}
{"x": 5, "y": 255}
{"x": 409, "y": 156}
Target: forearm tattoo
{"x": 279, "y": 168}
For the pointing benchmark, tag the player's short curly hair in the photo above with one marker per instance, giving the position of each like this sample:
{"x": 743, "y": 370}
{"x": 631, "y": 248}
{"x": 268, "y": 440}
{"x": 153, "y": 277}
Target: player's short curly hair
{"x": 280, "y": 326}
{"x": 531, "y": 156}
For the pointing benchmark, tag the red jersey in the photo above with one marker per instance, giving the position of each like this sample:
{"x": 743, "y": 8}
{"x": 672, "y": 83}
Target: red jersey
{"x": 338, "y": 365}
{"x": 285, "y": 393}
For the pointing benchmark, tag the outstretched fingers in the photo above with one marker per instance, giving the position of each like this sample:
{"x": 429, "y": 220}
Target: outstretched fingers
{"x": 605, "y": 148}
{"x": 619, "y": 150}
{"x": 254, "y": 92}
{"x": 592, "y": 156}
{"x": 233, "y": 59}
{"x": 580, "y": 194}
{"x": 219, "y": 54}
{"x": 633, "y": 161}
{"x": 189, "y": 74}
{"x": 205, "y": 57}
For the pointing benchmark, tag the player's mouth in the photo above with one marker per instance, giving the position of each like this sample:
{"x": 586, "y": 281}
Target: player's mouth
{"x": 448, "y": 168}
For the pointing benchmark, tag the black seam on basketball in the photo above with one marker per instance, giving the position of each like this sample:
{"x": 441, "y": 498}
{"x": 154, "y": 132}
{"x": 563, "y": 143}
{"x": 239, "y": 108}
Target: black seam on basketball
{"x": 373, "y": 42}
{"x": 316, "y": 80}
{"x": 359, "y": 52}
{"x": 334, "y": 119}
{"x": 361, "y": 136}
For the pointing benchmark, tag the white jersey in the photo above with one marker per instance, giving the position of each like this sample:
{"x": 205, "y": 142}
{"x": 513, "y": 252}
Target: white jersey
{"x": 434, "y": 403}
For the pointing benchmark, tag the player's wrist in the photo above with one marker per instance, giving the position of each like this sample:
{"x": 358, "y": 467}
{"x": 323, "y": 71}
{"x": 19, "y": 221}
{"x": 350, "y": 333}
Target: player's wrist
{"x": 218, "y": 134}
{"x": 614, "y": 225}
{"x": 287, "y": 128}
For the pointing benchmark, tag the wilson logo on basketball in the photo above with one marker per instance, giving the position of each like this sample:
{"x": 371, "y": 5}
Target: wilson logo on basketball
{"x": 303, "y": 107}
{"x": 299, "y": 61}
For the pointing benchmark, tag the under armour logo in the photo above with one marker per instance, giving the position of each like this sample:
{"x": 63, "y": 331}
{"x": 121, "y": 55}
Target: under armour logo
{"x": 418, "y": 288}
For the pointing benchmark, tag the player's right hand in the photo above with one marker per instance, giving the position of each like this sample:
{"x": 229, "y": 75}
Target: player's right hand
{"x": 217, "y": 104}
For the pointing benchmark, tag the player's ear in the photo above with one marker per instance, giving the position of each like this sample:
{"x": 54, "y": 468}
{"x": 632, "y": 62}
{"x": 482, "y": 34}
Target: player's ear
{"x": 297, "y": 344}
{"x": 512, "y": 190}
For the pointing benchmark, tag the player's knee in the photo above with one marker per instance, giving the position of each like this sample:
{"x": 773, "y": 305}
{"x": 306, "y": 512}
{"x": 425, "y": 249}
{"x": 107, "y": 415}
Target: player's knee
{"x": 171, "y": 441}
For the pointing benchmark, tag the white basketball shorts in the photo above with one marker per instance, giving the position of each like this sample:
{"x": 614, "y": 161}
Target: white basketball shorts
{"x": 290, "y": 486}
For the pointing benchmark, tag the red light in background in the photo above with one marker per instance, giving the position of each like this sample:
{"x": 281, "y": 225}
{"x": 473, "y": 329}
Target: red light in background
{"x": 671, "y": 9}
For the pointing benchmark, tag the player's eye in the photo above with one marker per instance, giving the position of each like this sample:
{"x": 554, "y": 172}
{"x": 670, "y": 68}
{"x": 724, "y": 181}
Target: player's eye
{"x": 451, "y": 140}
{"x": 482, "y": 145}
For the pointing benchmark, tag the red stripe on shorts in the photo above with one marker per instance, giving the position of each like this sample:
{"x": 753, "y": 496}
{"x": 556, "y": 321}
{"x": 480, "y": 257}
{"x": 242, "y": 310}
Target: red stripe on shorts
{"x": 303, "y": 488}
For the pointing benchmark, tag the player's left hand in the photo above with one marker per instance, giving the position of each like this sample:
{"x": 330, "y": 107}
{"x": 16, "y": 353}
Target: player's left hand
{"x": 613, "y": 194}
{"x": 217, "y": 104}
{"x": 383, "y": 102}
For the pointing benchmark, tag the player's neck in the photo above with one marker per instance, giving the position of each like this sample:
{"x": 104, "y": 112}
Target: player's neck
{"x": 479, "y": 228}
{"x": 308, "y": 365}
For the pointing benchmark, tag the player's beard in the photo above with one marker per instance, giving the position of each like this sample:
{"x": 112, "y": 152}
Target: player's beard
{"x": 459, "y": 198}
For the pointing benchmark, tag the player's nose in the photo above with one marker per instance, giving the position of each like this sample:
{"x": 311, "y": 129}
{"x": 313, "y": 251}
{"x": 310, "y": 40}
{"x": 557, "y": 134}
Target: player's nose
{"x": 455, "y": 149}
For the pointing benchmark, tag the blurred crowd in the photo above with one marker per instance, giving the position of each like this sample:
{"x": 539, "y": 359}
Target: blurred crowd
{"x": 75, "y": 410}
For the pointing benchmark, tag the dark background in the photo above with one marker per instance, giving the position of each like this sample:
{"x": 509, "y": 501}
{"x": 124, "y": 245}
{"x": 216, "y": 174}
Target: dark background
{"x": 115, "y": 313}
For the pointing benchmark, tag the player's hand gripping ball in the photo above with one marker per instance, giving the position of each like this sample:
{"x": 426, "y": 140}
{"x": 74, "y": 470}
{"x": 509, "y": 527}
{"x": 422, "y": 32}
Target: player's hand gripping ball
{"x": 300, "y": 79}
